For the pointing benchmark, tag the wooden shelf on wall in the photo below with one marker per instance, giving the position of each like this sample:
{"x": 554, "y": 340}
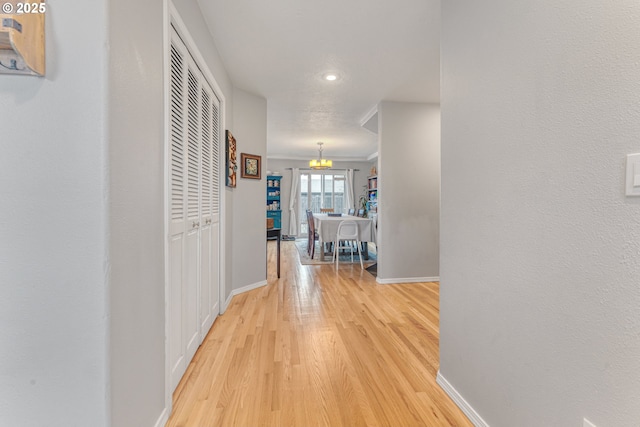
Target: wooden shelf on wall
{"x": 22, "y": 43}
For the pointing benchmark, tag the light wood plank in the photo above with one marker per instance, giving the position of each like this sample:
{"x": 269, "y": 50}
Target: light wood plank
{"x": 320, "y": 348}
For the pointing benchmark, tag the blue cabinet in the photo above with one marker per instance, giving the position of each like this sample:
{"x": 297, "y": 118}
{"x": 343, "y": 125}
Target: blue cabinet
{"x": 274, "y": 210}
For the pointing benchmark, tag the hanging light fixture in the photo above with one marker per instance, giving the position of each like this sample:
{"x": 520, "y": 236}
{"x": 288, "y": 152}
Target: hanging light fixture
{"x": 320, "y": 163}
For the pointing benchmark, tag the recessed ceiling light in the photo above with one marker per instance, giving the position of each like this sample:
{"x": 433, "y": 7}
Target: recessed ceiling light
{"x": 331, "y": 77}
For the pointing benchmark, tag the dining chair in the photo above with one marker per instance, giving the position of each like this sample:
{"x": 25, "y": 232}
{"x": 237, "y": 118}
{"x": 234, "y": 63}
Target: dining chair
{"x": 312, "y": 235}
{"x": 361, "y": 213}
{"x": 326, "y": 210}
{"x": 351, "y": 212}
{"x": 347, "y": 232}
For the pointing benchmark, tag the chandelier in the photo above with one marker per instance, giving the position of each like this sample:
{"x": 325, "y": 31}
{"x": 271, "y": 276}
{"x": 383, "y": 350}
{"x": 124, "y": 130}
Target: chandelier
{"x": 320, "y": 163}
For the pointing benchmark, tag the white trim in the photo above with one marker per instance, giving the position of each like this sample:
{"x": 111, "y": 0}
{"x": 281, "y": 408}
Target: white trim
{"x": 168, "y": 401}
{"x": 457, "y": 398}
{"x": 366, "y": 124}
{"x": 372, "y": 156}
{"x": 248, "y": 288}
{"x": 369, "y": 115}
{"x": 164, "y": 417}
{"x": 241, "y": 291}
{"x": 408, "y": 280}
{"x": 226, "y": 303}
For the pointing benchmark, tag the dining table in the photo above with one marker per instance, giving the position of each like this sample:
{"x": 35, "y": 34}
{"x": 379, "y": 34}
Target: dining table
{"x": 327, "y": 228}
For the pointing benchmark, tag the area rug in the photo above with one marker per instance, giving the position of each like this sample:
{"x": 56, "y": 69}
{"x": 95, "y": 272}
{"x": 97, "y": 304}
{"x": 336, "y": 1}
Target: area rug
{"x": 345, "y": 258}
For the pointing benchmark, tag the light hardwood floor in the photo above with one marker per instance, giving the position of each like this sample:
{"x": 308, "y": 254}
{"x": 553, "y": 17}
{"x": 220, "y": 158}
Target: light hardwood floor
{"x": 319, "y": 348}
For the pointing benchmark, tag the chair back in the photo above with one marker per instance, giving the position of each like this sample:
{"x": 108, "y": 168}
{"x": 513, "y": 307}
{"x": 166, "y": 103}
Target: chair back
{"x": 351, "y": 211}
{"x": 347, "y": 230}
{"x": 361, "y": 212}
{"x": 326, "y": 210}
{"x": 311, "y": 223}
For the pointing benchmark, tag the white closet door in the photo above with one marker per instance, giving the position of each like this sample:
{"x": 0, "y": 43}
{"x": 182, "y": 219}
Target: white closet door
{"x": 206, "y": 159}
{"x": 194, "y": 191}
{"x": 210, "y": 203}
{"x": 192, "y": 238}
{"x": 177, "y": 214}
{"x": 216, "y": 160}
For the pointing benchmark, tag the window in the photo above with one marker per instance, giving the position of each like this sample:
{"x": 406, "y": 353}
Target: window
{"x": 320, "y": 190}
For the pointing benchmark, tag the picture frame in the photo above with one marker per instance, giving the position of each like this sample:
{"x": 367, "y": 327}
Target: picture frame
{"x": 251, "y": 166}
{"x": 231, "y": 160}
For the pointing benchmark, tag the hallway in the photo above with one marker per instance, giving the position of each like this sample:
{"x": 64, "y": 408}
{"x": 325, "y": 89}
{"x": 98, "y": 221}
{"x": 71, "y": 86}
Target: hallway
{"x": 319, "y": 348}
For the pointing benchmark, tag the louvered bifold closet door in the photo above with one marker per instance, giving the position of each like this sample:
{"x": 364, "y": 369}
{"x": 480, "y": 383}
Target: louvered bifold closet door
{"x": 206, "y": 162}
{"x": 217, "y": 160}
{"x": 192, "y": 240}
{"x": 216, "y": 180}
{"x": 194, "y": 193}
{"x": 177, "y": 206}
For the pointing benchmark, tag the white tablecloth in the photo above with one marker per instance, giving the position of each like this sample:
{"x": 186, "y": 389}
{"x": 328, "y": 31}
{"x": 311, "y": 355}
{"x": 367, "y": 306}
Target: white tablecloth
{"x": 327, "y": 227}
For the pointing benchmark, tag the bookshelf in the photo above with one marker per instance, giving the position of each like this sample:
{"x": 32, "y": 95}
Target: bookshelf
{"x": 372, "y": 194}
{"x": 274, "y": 210}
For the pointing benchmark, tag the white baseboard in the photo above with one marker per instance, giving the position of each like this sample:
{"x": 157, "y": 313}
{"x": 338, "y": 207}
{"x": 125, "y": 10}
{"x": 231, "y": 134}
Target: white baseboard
{"x": 225, "y": 304}
{"x": 407, "y": 280}
{"x": 457, "y": 398}
{"x": 242, "y": 290}
{"x": 164, "y": 417}
{"x": 248, "y": 288}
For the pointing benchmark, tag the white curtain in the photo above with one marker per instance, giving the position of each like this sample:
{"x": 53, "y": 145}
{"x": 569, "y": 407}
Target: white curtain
{"x": 293, "y": 201}
{"x": 348, "y": 194}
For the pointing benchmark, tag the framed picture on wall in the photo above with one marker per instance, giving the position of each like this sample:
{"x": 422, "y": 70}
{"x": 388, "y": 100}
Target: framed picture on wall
{"x": 231, "y": 160}
{"x": 250, "y": 166}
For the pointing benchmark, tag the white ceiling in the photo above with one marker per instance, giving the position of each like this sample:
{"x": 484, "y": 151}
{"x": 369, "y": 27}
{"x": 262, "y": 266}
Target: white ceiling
{"x": 280, "y": 49}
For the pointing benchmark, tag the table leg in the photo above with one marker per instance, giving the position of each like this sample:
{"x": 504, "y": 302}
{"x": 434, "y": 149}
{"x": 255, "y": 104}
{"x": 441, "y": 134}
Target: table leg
{"x": 321, "y": 243}
{"x": 278, "y": 254}
{"x": 277, "y": 233}
{"x": 365, "y": 250}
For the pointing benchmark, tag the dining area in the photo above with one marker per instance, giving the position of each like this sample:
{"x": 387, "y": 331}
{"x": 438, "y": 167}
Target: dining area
{"x": 337, "y": 233}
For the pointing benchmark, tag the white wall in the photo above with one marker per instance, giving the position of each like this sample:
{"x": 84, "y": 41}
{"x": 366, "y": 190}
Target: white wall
{"x": 540, "y": 255}
{"x": 53, "y": 226}
{"x": 191, "y": 15}
{"x": 409, "y": 191}
{"x": 281, "y": 165}
{"x": 136, "y": 206}
{"x": 248, "y": 220}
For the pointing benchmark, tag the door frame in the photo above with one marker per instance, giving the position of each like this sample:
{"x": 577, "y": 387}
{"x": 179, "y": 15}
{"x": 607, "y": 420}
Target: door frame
{"x": 173, "y": 19}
